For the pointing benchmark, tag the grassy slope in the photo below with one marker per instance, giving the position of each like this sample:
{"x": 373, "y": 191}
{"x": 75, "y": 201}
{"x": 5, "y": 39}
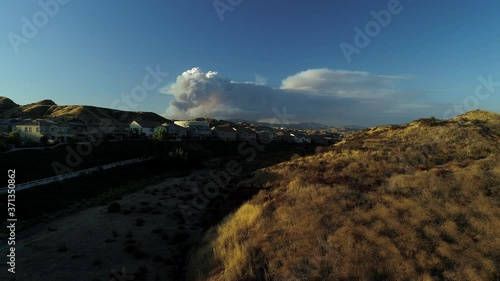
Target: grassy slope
{"x": 6, "y": 104}
{"x": 413, "y": 202}
{"x": 68, "y": 112}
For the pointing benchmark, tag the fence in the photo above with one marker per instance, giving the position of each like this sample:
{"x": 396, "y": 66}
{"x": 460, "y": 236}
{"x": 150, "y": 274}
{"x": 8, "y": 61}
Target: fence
{"x": 44, "y": 181}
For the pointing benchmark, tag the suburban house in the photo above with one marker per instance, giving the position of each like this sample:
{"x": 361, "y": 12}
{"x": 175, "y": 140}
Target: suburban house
{"x": 292, "y": 137}
{"x": 119, "y": 130}
{"x": 173, "y": 131}
{"x": 246, "y": 134}
{"x": 196, "y": 129}
{"x": 8, "y": 125}
{"x": 266, "y": 136}
{"x": 65, "y": 131}
{"x": 33, "y": 130}
{"x": 300, "y": 138}
{"x": 279, "y": 136}
{"x": 319, "y": 139}
{"x": 143, "y": 128}
{"x": 80, "y": 129}
{"x": 225, "y": 132}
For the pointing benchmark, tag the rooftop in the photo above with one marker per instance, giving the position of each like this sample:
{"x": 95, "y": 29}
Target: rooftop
{"x": 147, "y": 124}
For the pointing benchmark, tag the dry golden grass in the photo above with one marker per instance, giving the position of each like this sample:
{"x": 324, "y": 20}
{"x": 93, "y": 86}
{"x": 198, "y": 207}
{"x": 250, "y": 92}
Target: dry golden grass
{"x": 48, "y": 110}
{"x": 415, "y": 202}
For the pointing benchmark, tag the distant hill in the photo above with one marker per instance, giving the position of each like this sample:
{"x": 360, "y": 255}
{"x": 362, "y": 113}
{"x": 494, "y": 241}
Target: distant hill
{"x": 44, "y": 102}
{"x": 419, "y": 201}
{"x": 302, "y": 126}
{"x": 6, "y": 104}
{"x": 48, "y": 109}
{"x": 307, "y": 126}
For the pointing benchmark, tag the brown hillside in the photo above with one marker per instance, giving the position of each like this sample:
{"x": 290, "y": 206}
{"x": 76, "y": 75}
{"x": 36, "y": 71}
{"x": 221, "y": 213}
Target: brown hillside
{"x": 47, "y": 109}
{"x": 414, "y": 202}
{"x": 6, "y": 104}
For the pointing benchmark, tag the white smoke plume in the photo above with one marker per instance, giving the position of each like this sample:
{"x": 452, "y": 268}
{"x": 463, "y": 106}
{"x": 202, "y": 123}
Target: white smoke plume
{"x": 333, "y": 97}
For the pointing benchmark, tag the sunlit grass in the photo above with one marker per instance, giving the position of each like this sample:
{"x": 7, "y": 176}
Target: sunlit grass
{"x": 414, "y": 202}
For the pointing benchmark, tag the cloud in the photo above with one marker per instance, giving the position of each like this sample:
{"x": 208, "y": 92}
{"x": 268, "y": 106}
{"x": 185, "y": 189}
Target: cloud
{"x": 260, "y": 80}
{"x": 335, "y": 97}
{"x": 341, "y": 83}
{"x": 197, "y": 93}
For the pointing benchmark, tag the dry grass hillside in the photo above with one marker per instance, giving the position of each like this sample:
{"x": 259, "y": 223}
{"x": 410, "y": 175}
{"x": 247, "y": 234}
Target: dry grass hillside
{"x": 414, "y": 202}
{"x": 47, "y": 109}
{"x": 6, "y": 104}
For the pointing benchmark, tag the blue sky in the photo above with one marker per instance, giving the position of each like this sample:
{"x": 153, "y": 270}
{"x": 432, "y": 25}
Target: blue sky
{"x": 427, "y": 58}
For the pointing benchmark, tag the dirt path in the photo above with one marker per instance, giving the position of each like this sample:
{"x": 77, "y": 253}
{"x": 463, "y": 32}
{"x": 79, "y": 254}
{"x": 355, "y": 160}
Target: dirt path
{"x": 147, "y": 238}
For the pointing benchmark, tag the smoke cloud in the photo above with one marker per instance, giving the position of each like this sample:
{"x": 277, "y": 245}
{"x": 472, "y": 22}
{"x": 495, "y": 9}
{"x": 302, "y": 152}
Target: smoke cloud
{"x": 335, "y": 97}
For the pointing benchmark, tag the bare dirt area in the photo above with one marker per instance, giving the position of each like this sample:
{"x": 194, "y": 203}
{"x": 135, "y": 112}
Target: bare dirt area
{"x": 148, "y": 234}
{"x": 145, "y": 240}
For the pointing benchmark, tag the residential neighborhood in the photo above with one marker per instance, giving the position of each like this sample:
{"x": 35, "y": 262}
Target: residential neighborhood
{"x": 46, "y": 131}
{"x": 196, "y": 129}
{"x": 143, "y": 128}
{"x": 173, "y": 131}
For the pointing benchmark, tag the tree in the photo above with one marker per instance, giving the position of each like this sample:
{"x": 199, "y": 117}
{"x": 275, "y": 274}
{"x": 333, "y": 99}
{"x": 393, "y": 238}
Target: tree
{"x": 14, "y": 138}
{"x": 160, "y": 142}
{"x": 160, "y": 135}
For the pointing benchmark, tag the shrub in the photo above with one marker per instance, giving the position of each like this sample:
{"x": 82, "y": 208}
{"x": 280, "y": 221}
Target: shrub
{"x": 14, "y": 138}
